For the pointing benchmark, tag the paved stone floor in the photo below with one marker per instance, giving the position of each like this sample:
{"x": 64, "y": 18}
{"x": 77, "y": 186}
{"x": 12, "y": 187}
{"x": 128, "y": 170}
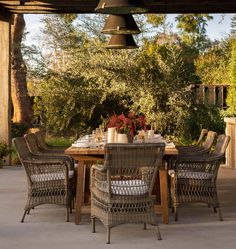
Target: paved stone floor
{"x": 198, "y": 227}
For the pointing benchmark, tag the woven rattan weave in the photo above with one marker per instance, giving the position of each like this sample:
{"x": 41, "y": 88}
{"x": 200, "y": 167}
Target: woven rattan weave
{"x": 49, "y": 180}
{"x": 194, "y": 178}
{"x": 35, "y": 149}
{"x": 121, "y": 189}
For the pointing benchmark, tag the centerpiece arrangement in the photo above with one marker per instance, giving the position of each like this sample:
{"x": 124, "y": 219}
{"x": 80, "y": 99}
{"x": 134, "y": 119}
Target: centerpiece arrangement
{"x": 129, "y": 125}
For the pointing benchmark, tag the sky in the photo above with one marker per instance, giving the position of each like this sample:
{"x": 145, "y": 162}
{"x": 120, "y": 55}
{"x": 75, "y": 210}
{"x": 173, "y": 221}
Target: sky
{"x": 217, "y": 28}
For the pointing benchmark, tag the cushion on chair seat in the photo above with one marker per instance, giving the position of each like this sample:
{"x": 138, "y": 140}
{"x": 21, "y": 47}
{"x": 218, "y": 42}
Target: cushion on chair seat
{"x": 129, "y": 187}
{"x": 50, "y": 176}
{"x": 191, "y": 175}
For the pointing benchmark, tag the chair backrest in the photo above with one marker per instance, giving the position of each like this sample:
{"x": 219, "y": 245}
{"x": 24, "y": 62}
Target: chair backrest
{"x": 22, "y": 149}
{"x": 32, "y": 143}
{"x": 41, "y": 139}
{"x": 221, "y": 145}
{"x": 134, "y": 162}
{"x": 207, "y": 144}
{"x": 202, "y": 136}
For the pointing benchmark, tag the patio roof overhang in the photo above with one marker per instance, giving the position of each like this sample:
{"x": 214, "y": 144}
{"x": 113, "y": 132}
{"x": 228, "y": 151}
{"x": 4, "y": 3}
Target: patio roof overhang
{"x": 88, "y": 6}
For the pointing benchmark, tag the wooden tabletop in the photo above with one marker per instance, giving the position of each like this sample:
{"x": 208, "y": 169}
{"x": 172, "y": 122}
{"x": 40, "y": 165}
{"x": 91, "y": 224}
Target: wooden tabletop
{"x": 72, "y": 151}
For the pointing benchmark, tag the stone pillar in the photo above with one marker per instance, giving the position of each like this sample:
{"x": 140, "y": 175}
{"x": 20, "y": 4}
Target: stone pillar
{"x": 231, "y": 150}
{"x": 5, "y": 82}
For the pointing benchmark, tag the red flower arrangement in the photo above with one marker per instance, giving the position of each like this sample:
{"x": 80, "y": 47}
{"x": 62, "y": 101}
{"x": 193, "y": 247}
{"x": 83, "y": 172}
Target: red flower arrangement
{"x": 128, "y": 125}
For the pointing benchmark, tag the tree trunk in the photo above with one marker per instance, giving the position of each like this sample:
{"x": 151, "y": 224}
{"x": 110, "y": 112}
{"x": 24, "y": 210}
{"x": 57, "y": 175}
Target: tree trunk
{"x": 23, "y": 112}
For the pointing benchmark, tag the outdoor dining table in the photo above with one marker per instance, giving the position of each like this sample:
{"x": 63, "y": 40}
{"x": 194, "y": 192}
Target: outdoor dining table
{"x": 85, "y": 155}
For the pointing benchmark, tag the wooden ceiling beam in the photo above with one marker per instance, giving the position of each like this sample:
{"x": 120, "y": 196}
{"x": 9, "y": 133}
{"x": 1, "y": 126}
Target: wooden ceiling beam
{"x": 88, "y": 6}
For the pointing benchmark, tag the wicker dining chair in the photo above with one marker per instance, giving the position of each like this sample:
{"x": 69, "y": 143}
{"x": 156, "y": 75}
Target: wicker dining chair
{"x": 35, "y": 149}
{"x": 194, "y": 178}
{"x": 121, "y": 189}
{"x": 44, "y": 147}
{"x": 49, "y": 180}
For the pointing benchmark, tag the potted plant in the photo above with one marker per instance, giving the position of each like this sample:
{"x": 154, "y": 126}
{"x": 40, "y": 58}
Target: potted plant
{"x": 4, "y": 151}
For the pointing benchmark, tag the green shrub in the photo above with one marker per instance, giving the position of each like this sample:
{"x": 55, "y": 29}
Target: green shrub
{"x": 19, "y": 129}
{"x": 4, "y": 150}
{"x": 59, "y": 141}
{"x": 201, "y": 116}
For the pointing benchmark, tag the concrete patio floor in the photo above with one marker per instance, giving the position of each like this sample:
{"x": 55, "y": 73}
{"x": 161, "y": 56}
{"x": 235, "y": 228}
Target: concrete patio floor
{"x": 198, "y": 227}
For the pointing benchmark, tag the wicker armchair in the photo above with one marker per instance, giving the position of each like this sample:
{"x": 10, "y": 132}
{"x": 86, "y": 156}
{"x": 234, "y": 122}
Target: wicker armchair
{"x": 35, "y": 149}
{"x": 194, "y": 178}
{"x": 44, "y": 147}
{"x": 49, "y": 180}
{"x": 121, "y": 189}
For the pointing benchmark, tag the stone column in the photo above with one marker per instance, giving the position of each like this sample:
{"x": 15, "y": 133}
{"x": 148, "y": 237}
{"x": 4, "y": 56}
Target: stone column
{"x": 5, "y": 83}
{"x": 231, "y": 150}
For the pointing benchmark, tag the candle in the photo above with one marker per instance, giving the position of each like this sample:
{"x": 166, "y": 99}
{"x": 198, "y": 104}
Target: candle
{"x": 112, "y": 135}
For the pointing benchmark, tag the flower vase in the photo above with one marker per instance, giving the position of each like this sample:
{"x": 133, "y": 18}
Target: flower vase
{"x": 122, "y": 138}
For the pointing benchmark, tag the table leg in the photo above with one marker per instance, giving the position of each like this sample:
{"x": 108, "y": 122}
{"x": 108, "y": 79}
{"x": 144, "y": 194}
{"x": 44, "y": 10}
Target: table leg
{"x": 164, "y": 195}
{"x": 79, "y": 192}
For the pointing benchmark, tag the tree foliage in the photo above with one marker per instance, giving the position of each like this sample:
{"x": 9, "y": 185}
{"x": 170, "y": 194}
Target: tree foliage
{"x": 233, "y": 25}
{"x": 212, "y": 66}
{"x": 231, "y": 99}
{"x": 193, "y": 29}
{"x": 80, "y": 83}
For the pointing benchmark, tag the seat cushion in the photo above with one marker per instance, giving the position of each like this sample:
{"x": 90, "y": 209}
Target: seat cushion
{"x": 191, "y": 175}
{"x": 50, "y": 176}
{"x": 129, "y": 187}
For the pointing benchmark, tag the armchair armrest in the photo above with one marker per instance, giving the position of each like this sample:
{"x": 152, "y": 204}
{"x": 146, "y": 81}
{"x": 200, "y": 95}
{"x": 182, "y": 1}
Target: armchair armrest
{"x": 67, "y": 159}
{"x": 205, "y": 165}
{"x": 39, "y": 171}
{"x": 98, "y": 167}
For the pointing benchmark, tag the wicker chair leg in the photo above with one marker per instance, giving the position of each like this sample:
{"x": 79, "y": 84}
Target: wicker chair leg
{"x": 71, "y": 206}
{"x": 220, "y": 214}
{"x": 93, "y": 224}
{"x": 158, "y": 232}
{"x": 28, "y": 212}
{"x": 176, "y": 213}
{"x": 73, "y": 203}
{"x": 67, "y": 214}
{"x": 108, "y": 235}
{"x": 22, "y": 220}
{"x": 144, "y": 226}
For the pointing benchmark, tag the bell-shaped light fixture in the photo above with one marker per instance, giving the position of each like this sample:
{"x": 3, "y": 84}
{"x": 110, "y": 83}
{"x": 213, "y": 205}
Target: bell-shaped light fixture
{"x": 121, "y": 7}
{"x": 121, "y": 42}
{"x": 120, "y": 24}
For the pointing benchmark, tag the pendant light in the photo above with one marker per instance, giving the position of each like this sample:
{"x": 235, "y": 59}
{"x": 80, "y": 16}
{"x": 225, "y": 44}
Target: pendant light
{"x": 120, "y": 24}
{"x": 121, "y": 7}
{"x": 121, "y": 42}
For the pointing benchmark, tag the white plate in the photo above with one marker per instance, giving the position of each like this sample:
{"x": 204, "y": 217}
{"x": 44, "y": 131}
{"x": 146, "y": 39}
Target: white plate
{"x": 80, "y": 145}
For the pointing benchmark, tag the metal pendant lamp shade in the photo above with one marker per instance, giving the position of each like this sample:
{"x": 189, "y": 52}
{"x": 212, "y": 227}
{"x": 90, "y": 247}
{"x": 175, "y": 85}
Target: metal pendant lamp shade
{"x": 121, "y": 7}
{"x": 121, "y": 42}
{"x": 120, "y": 24}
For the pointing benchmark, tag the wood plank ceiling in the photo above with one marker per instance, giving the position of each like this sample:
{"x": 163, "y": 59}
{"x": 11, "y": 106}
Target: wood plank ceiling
{"x": 88, "y": 6}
